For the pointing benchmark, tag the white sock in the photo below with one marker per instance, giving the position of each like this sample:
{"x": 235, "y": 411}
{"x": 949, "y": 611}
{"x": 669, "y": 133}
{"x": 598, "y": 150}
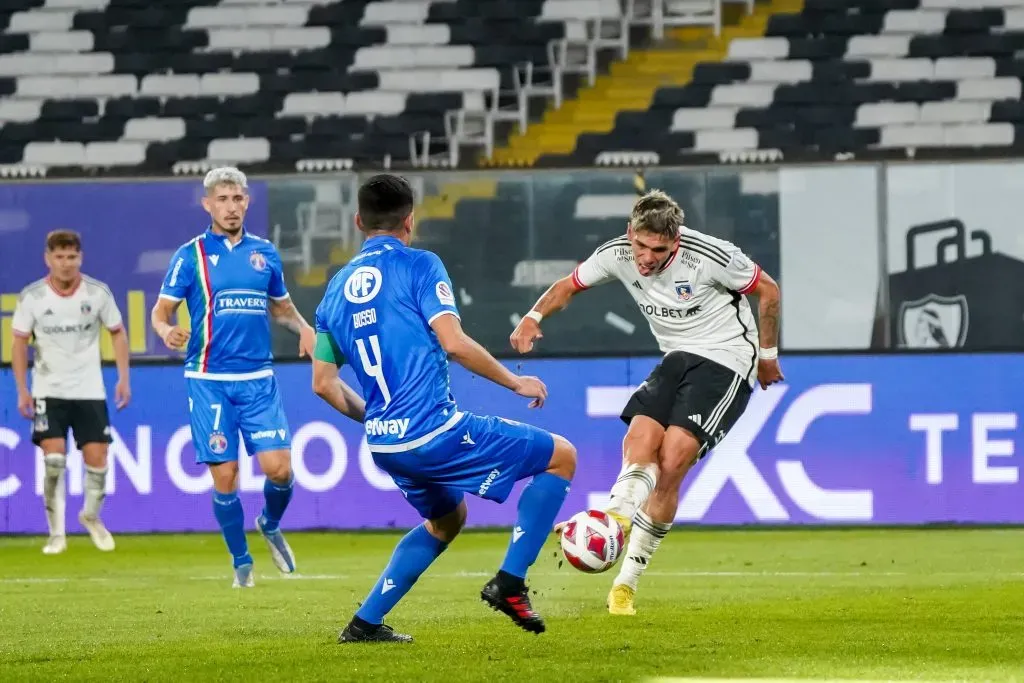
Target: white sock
{"x": 632, "y": 489}
{"x": 54, "y": 492}
{"x": 95, "y": 490}
{"x": 644, "y": 539}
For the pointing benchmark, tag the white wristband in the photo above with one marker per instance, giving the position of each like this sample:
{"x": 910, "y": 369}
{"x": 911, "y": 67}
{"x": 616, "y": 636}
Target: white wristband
{"x": 536, "y": 315}
{"x": 769, "y": 354}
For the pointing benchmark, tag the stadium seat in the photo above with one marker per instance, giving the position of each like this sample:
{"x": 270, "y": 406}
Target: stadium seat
{"x": 816, "y": 78}
{"x": 252, "y": 82}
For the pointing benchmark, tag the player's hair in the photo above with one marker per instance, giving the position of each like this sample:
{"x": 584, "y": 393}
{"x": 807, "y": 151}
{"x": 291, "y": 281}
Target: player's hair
{"x": 63, "y": 239}
{"x": 656, "y": 213}
{"x": 225, "y": 175}
{"x": 385, "y": 200}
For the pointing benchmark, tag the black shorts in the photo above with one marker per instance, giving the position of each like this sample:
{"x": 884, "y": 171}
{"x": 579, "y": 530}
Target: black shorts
{"x": 87, "y": 419}
{"x": 692, "y": 392}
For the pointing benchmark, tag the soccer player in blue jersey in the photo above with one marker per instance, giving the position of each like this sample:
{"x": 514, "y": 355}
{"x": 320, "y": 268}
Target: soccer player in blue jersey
{"x": 231, "y": 280}
{"x": 391, "y": 313}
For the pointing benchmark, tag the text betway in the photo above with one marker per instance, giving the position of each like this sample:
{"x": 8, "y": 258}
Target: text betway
{"x": 378, "y": 427}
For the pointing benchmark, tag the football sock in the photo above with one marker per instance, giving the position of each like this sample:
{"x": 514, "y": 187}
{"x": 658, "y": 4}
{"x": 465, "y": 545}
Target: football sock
{"x": 632, "y": 489}
{"x": 227, "y": 508}
{"x": 414, "y": 553}
{"x": 643, "y": 541}
{"x": 95, "y": 490}
{"x": 54, "y": 492}
{"x": 277, "y": 497}
{"x": 538, "y": 505}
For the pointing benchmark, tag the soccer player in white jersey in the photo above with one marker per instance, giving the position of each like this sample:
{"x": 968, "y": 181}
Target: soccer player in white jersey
{"x": 63, "y": 313}
{"x": 690, "y": 287}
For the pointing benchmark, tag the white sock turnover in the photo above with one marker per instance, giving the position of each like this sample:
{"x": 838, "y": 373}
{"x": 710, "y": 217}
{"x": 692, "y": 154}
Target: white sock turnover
{"x": 632, "y": 489}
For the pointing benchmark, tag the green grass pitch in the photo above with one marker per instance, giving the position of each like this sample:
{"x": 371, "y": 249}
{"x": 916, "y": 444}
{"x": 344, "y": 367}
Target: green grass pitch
{"x": 812, "y": 604}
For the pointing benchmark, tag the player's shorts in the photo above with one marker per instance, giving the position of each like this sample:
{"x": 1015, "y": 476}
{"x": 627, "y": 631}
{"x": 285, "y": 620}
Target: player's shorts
{"x": 484, "y": 456}
{"x": 692, "y": 392}
{"x": 87, "y": 419}
{"x": 219, "y": 410}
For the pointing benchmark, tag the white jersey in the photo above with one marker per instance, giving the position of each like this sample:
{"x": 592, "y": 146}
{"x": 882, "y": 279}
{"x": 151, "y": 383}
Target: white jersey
{"x": 694, "y": 303}
{"x": 67, "y": 336}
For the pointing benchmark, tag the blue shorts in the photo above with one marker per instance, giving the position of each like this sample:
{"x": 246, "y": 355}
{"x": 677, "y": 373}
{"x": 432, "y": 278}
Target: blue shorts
{"x": 218, "y": 410}
{"x": 484, "y": 456}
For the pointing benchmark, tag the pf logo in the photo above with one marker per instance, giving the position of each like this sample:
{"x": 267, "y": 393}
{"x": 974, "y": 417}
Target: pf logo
{"x": 363, "y": 284}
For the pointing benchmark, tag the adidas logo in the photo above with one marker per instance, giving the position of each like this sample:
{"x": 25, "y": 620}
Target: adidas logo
{"x": 636, "y": 283}
{"x": 48, "y": 311}
{"x": 695, "y": 419}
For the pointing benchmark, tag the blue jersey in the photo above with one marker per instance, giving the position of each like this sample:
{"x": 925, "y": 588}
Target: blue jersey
{"x": 226, "y": 289}
{"x": 377, "y": 312}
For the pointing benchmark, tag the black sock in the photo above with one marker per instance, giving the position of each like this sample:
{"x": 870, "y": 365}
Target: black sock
{"x": 510, "y": 583}
{"x": 363, "y": 625}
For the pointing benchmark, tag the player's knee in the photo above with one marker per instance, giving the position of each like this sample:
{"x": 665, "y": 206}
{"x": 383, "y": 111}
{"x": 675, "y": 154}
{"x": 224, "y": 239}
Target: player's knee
{"x": 563, "y": 460}
{"x": 277, "y": 466}
{"x": 446, "y": 528}
{"x": 642, "y": 441}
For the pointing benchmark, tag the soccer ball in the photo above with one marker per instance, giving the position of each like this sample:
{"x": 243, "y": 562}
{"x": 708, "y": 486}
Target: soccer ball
{"x": 592, "y": 541}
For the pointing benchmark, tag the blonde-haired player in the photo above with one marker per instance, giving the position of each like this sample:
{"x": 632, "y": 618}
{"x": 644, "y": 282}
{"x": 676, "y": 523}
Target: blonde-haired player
{"x": 690, "y": 287}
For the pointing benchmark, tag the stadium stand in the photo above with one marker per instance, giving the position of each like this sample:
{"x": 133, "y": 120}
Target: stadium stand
{"x": 831, "y": 77}
{"x": 140, "y": 86}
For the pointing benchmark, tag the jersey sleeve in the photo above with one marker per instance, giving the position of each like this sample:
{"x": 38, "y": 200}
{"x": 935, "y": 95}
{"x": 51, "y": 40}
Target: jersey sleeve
{"x": 277, "y": 288}
{"x": 435, "y": 294}
{"x": 110, "y": 314}
{"x": 596, "y": 270}
{"x": 180, "y": 274}
{"x": 739, "y": 273}
{"x": 24, "y": 317}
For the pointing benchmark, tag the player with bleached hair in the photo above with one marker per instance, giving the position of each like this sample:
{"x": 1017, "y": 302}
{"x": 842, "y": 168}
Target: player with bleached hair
{"x": 63, "y": 314}
{"x": 690, "y": 287}
{"x": 232, "y": 282}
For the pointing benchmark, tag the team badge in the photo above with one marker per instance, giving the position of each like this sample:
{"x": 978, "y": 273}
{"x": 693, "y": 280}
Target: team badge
{"x": 683, "y": 290}
{"x": 218, "y": 443}
{"x": 933, "y": 322}
{"x": 257, "y": 261}
{"x": 86, "y": 308}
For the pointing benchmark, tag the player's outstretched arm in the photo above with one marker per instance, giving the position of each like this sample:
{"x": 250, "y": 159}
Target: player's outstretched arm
{"x": 769, "y": 300}
{"x": 555, "y": 299}
{"x": 160, "y": 318}
{"x": 465, "y": 351}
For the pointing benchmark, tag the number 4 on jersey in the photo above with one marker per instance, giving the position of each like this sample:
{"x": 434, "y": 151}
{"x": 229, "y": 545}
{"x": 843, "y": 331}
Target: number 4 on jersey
{"x": 374, "y": 369}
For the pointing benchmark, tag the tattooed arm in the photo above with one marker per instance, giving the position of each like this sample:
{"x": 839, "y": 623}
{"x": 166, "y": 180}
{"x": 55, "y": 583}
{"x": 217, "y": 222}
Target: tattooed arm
{"x": 284, "y": 313}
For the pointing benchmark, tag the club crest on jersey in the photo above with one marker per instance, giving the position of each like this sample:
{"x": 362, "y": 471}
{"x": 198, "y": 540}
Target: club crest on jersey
{"x": 683, "y": 290}
{"x": 257, "y": 261}
{"x": 218, "y": 443}
{"x": 86, "y": 308}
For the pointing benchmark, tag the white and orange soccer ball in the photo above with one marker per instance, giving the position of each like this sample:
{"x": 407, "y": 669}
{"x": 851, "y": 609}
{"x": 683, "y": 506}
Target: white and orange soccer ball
{"x": 592, "y": 541}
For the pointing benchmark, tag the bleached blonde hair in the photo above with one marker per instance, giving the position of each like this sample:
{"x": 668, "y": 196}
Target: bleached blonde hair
{"x": 225, "y": 175}
{"x": 657, "y": 213}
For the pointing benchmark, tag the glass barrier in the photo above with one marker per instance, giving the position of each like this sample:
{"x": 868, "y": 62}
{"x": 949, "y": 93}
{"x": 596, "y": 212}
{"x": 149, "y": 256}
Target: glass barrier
{"x": 869, "y": 256}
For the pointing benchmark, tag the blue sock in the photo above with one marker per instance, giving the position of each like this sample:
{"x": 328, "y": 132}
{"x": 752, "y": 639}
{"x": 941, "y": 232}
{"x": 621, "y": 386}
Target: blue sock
{"x": 538, "y": 505}
{"x": 277, "y": 497}
{"x": 227, "y": 508}
{"x": 414, "y": 553}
